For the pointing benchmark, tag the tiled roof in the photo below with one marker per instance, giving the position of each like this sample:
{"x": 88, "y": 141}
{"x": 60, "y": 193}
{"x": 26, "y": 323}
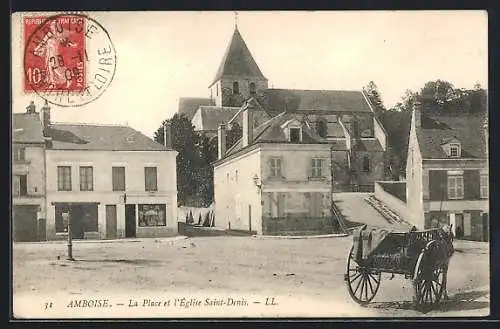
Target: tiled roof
{"x": 338, "y": 145}
{"x": 27, "y": 128}
{"x": 271, "y": 132}
{"x": 335, "y": 130}
{"x": 259, "y": 115}
{"x": 369, "y": 145}
{"x": 291, "y": 100}
{"x": 100, "y": 138}
{"x": 189, "y": 105}
{"x": 436, "y": 130}
{"x": 238, "y": 61}
{"x": 212, "y": 116}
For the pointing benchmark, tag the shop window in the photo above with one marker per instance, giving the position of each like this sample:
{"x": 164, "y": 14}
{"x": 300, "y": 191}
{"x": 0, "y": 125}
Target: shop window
{"x": 152, "y": 215}
{"x": 61, "y": 224}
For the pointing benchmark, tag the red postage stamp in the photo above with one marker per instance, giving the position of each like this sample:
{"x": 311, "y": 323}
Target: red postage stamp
{"x": 55, "y": 54}
{"x": 69, "y": 59}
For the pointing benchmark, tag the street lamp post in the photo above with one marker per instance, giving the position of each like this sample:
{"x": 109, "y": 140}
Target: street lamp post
{"x": 70, "y": 241}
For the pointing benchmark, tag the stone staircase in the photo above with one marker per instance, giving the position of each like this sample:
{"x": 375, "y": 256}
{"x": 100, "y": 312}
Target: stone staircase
{"x": 337, "y": 215}
{"x": 385, "y": 211}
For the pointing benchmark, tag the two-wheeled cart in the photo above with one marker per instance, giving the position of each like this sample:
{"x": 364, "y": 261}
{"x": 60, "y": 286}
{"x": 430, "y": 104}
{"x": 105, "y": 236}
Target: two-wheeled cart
{"x": 422, "y": 256}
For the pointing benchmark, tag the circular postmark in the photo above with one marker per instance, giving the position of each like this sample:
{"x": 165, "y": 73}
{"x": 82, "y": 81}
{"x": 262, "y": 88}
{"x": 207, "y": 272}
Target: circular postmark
{"x": 69, "y": 59}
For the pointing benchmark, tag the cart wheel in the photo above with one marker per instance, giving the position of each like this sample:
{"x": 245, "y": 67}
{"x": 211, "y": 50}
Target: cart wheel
{"x": 429, "y": 280}
{"x": 362, "y": 282}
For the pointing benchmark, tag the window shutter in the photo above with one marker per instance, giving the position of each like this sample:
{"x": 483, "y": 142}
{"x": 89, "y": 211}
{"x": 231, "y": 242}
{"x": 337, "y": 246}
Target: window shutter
{"x": 438, "y": 182}
{"x": 472, "y": 182}
{"x": 281, "y": 204}
{"x": 281, "y": 167}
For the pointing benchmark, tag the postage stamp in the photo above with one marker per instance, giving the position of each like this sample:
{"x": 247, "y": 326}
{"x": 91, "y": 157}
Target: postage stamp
{"x": 69, "y": 59}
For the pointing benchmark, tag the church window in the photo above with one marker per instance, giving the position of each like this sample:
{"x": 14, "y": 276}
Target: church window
{"x": 217, "y": 90}
{"x": 236, "y": 88}
{"x": 252, "y": 88}
{"x": 366, "y": 163}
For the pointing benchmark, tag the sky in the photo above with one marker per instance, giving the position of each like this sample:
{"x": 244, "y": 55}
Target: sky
{"x": 162, "y": 56}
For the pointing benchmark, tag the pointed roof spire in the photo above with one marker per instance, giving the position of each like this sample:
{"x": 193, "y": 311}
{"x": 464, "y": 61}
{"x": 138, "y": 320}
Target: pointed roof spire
{"x": 237, "y": 60}
{"x": 235, "y": 20}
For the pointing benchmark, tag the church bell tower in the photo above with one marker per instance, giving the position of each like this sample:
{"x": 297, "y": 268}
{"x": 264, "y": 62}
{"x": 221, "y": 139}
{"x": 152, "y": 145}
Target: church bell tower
{"x": 238, "y": 77}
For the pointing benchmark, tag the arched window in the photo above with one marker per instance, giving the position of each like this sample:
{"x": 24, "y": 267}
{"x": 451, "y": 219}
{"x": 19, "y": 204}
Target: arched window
{"x": 366, "y": 163}
{"x": 236, "y": 88}
{"x": 321, "y": 128}
{"x": 252, "y": 88}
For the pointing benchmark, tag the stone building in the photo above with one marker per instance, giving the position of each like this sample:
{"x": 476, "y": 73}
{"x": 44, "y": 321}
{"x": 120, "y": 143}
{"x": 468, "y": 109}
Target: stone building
{"x": 28, "y": 175}
{"x": 344, "y": 118}
{"x": 107, "y": 181}
{"x": 447, "y": 173}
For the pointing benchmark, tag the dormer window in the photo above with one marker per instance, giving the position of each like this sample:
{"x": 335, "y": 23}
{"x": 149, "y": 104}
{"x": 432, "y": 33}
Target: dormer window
{"x": 295, "y": 135}
{"x": 292, "y": 130}
{"x": 455, "y": 150}
{"x": 236, "y": 88}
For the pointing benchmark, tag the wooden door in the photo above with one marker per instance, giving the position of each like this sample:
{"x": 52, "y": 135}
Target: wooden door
{"x": 111, "y": 221}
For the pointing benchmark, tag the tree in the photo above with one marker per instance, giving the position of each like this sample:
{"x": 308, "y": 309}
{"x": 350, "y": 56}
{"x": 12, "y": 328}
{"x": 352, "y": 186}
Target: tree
{"x": 207, "y": 155}
{"x": 184, "y": 141}
{"x": 436, "y": 97}
{"x": 373, "y": 94}
{"x": 322, "y": 127}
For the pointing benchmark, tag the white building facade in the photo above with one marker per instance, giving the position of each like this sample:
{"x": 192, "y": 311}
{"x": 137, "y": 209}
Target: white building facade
{"x": 111, "y": 194}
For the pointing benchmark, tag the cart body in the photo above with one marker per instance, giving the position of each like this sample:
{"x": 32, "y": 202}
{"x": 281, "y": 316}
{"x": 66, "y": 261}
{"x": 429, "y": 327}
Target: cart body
{"x": 421, "y": 256}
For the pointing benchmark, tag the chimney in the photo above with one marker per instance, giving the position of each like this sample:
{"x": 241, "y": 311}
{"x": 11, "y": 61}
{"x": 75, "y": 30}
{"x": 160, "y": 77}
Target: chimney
{"x": 45, "y": 118}
{"x": 31, "y": 109}
{"x": 417, "y": 114}
{"x": 247, "y": 128}
{"x": 167, "y": 135}
{"x": 221, "y": 140}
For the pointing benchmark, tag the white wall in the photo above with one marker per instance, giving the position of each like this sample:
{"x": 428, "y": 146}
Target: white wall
{"x": 393, "y": 202}
{"x": 379, "y": 133}
{"x": 234, "y": 196}
{"x": 34, "y": 168}
{"x": 415, "y": 180}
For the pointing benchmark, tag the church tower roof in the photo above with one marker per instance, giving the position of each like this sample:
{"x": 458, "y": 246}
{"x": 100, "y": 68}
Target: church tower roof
{"x": 238, "y": 61}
